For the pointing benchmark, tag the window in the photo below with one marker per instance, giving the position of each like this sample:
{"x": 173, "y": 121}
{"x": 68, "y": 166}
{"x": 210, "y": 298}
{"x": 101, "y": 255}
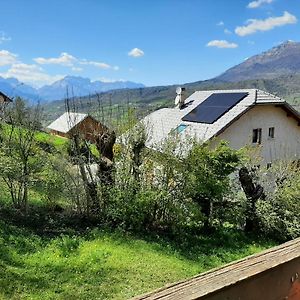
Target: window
{"x": 271, "y": 132}
{"x": 256, "y": 137}
{"x": 181, "y": 128}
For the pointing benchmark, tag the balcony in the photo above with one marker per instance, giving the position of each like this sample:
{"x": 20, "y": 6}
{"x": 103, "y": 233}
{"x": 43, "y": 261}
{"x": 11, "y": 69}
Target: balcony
{"x": 270, "y": 275}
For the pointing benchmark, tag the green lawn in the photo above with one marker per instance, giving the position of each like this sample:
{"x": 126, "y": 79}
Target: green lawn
{"x": 103, "y": 265}
{"x": 58, "y": 142}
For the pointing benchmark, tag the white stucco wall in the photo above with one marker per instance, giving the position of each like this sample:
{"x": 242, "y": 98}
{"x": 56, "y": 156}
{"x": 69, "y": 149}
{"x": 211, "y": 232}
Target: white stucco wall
{"x": 286, "y": 143}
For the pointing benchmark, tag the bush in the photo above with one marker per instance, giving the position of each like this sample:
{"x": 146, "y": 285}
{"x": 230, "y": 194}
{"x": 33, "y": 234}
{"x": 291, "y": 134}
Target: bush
{"x": 279, "y": 214}
{"x": 207, "y": 179}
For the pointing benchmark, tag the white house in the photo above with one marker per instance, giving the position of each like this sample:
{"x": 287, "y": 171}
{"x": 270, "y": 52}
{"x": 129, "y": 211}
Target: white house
{"x": 241, "y": 117}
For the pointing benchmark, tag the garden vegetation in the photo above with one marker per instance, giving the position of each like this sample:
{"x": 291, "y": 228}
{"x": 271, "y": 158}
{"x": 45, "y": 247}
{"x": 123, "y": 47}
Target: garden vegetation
{"x": 114, "y": 219}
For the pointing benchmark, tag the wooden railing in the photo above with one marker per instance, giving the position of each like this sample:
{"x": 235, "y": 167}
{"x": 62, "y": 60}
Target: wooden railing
{"x": 270, "y": 275}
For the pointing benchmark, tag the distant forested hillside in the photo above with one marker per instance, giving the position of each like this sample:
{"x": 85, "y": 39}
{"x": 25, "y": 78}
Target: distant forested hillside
{"x": 148, "y": 99}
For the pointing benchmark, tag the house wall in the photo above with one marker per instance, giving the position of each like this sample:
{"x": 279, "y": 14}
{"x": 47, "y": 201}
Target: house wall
{"x": 89, "y": 129}
{"x": 2, "y": 100}
{"x": 55, "y": 132}
{"x": 286, "y": 143}
{"x": 3, "y": 103}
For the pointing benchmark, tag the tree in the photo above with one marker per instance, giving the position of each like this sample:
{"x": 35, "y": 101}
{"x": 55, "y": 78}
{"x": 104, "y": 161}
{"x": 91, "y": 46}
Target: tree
{"x": 253, "y": 191}
{"x": 277, "y": 213}
{"x": 81, "y": 152}
{"x": 20, "y": 157}
{"x": 207, "y": 176}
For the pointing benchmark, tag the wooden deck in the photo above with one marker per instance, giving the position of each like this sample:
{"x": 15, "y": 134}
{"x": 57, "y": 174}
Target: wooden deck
{"x": 271, "y": 275}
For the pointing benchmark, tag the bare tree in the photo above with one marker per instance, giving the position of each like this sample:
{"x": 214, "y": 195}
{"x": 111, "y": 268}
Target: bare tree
{"x": 104, "y": 140}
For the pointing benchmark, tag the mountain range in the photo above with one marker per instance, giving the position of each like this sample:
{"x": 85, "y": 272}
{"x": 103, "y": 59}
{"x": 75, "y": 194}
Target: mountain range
{"x": 73, "y": 85}
{"x": 281, "y": 60}
{"x": 276, "y": 71}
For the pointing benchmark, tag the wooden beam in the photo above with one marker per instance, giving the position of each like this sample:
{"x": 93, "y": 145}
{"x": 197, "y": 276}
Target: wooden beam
{"x": 272, "y": 274}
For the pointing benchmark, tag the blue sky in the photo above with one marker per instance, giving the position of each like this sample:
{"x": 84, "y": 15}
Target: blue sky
{"x": 155, "y": 42}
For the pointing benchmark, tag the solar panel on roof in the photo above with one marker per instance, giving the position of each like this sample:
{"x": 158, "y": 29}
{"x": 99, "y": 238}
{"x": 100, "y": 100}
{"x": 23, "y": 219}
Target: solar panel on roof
{"x": 214, "y": 107}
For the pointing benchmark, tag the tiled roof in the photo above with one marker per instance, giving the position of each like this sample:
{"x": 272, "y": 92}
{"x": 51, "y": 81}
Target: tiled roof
{"x": 67, "y": 121}
{"x": 161, "y": 122}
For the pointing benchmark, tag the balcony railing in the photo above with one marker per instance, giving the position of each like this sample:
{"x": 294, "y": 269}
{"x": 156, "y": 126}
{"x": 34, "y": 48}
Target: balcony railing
{"x": 270, "y": 275}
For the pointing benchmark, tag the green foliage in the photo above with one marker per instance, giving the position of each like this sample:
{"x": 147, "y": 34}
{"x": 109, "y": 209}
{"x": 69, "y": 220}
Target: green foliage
{"x": 169, "y": 189}
{"x": 207, "y": 176}
{"x": 166, "y": 196}
{"x": 67, "y": 245}
{"x": 20, "y": 158}
{"x": 55, "y": 143}
{"x": 279, "y": 214}
{"x": 51, "y": 181}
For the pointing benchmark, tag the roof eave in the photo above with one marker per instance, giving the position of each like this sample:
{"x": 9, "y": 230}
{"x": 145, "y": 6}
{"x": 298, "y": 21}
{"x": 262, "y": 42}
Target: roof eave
{"x": 290, "y": 108}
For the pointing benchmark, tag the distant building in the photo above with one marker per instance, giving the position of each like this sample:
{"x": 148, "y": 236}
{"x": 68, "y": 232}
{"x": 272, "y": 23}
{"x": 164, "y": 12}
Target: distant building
{"x": 76, "y": 123}
{"x": 265, "y": 122}
{"x": 4, "y": 98}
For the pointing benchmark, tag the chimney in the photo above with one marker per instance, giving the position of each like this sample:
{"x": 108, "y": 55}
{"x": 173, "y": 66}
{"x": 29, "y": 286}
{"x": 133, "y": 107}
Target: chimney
{"x": 180, "y": 98}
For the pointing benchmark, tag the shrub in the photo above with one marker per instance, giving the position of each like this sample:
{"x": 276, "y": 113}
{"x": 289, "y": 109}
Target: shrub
{"x": 207, "y": 179}
{"x": 279, "y": 214}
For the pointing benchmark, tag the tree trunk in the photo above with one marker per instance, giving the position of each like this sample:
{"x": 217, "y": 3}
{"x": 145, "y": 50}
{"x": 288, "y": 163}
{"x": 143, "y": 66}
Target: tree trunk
{"x": 206, "y": 210}
{"x": 253, "y": 192}
{"x": 105, "y": 144}
{"x": 90, "y": 189}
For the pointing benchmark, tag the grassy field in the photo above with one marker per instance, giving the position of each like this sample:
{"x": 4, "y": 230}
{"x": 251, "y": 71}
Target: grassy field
{"x": 106, "y": 265}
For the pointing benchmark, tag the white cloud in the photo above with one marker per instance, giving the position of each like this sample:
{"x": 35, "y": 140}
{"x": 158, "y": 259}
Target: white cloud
{"x": 97, "y": 64}
{"x": 258, "y": 3}
{"x": 221, "y": 44}
{"x": 4, "y": 37}
{"x": 35, "y": 75}
{"x": 68, "y": 60}
{"x": 116, "y": 68}
{"x": 32, "y": 74}
{"x": 255, "y": 25}
{"x": 221, "y": 23}
{"x": 64, "y": 59}
{"x": 227, "y": 31}
{"x": 7, "y": 58}
{"x": 136, "y": 52}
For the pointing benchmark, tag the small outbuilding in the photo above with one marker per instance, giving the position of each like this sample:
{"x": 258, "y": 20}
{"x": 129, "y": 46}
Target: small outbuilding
{"x": 4, "y": 98}
{"x": 71, "y": 123}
